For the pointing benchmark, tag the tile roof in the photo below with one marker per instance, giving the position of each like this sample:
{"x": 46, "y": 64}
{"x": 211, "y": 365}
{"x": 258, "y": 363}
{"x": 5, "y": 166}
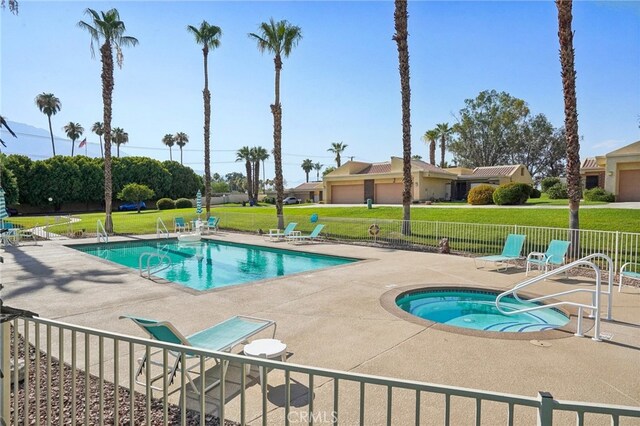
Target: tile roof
{"x": 428, "y": 167}
{"x": 308, "y": 186}
{"x": 375, "y": 168}
{"x": 589, "y": 163}
{"x": 494, "y": 171}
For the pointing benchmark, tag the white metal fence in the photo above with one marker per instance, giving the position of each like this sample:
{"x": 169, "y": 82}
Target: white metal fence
{"x": 465, "y": 238}
{"x": 77, "y": 375}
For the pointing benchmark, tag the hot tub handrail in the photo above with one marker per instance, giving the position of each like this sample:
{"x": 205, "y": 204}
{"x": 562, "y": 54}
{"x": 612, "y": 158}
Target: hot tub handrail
{"x": 595, "y": 306}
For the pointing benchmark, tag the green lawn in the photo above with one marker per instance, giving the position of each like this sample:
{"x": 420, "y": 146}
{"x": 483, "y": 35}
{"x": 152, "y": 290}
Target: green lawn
{"x": 252, "y": 218}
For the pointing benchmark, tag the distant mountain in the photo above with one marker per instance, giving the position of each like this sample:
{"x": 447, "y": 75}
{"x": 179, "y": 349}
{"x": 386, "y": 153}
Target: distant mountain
{"x": 35, "y": 142}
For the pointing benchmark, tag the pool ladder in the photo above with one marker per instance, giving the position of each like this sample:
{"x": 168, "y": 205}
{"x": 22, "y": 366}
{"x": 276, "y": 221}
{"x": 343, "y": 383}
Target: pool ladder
{"x": 164, "y": 262}
{"x": 594, "y": 307}
{"x": 101, "y": 234}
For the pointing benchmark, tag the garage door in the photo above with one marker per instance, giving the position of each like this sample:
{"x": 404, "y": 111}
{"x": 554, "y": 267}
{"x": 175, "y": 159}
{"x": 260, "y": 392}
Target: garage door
{"x": 628, "y": 186}
{"x": 389, "y": 193}
{"x": 347, "y": 194}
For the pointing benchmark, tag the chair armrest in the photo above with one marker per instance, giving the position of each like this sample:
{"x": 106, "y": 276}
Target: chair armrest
{"x": 628, "y": 264}
{"x": 274, "y": 231}
{"x": 536, "y": 254}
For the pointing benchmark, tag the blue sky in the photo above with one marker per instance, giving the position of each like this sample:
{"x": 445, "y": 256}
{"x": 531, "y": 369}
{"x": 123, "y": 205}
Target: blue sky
{"x": 340, "y": 84}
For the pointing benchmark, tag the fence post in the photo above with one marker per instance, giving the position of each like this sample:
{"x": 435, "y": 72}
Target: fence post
{"x": 615, "y": 253}
{"x": 5, "y": 385}
{"x": 545, "y": 410}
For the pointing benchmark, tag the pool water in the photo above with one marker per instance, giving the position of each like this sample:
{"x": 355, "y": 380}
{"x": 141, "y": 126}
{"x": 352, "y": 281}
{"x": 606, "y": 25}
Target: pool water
{"x": 477, "y": 310}
{"x": 210, "y": 264}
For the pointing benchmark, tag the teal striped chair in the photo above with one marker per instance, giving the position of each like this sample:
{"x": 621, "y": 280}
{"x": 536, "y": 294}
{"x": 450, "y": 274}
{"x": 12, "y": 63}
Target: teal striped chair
{"x": 552, "y": 258}
{"x": 630, "y": 270}
{"x": 510, "y": 252}
{"x": 222, "y": 337}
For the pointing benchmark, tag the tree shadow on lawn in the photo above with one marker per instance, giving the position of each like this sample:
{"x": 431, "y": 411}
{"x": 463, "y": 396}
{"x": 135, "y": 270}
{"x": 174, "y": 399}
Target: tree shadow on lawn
{"x": 45, "y": 277}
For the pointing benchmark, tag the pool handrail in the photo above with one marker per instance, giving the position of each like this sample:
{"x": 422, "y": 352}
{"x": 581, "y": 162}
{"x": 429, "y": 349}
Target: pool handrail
{"x": 101, "y": 234}
{"x": 595, "y": 306}
{"x": 161, "y": 229}
{"x": 152, "y": 255}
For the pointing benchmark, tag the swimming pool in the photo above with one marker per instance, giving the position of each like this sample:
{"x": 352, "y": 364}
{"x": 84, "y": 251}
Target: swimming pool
{"x": 476, "y": 309}
{"x": 211, "y": 264}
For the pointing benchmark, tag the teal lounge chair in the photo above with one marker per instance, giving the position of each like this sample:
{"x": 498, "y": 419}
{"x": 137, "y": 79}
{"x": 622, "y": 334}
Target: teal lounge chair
{"x": 221, "y": 337}
{"x": 630, "y": 270}
{"x": 510, "y": 252}
{"x": 180, "y": 225}
{"x": 212, "y": 224}
{"x": 277, "y": 235}
{"x": 553, "y": 257}
{"x": 306, "y": 238}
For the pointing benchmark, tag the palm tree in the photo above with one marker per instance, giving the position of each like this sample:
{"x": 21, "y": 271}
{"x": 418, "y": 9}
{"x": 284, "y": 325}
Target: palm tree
{"x": 401, "y": 17}
{"x": 567, "y": 56}
{"x": 278, "y": 38}
{"x": 307, "y": 166}
{"x": 98, "y": 129}
{"x": 259, "y": 154}
{"x": 49, "y": 105}
{"x": 430, "y": 136}
{"x": 244, "y": 154}
{"x": 169, "y": 141}
{"x": 3, "y": 123}
{"x": 181, "y": 139}
{"x": 119, "y": 137}
{"x": 318, "y": 167}
{"x": 74, "y": 131}
{"x": 337, "y": 148}
{"x": 109, "y": 30}
{"x": 209, "y": 37}
{"x": 444, "y": 131}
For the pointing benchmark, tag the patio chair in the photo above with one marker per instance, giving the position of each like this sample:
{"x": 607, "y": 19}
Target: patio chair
{"x": 510, "y": 252}
{"x": 212, "y": 224}
{"x": 553, "y": 257}
{"x": 295, "y": 239}
{"x": 180, "y": 225}
{"x": 277, "y": 234}
{"x": 222, "y": 337}
{"x": 630, "y": 270}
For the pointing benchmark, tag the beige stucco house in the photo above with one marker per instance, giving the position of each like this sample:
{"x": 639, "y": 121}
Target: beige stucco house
{"x": 494, "y": 175}
{"x": 617, "y": 172}
{"x": 354, "y": 182}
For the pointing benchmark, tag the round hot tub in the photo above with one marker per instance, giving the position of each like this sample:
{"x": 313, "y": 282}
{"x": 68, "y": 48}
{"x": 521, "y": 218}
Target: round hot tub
{"x": 473, "y": 311}
{"x": 477, "y": 310}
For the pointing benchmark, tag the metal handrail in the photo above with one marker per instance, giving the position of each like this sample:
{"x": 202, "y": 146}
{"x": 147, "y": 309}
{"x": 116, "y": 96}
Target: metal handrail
{"x": 161, "y": 229}
{"x": 595, "y": 306}
{"x": 101, "y": 233}
{"x": 161, "y": 265}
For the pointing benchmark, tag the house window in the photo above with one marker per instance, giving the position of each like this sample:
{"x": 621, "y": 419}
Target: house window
{"x": 591, "y": 182}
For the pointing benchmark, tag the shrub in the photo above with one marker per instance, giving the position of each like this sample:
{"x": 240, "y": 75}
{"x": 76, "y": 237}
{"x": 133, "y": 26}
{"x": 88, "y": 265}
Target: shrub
{"x": 183, "y": 203}
{"x": 512, "y": 193}
{"x": 269, "y": 200}
{"x": 558, "y": 192}
{"x": 165, "y": 204}
{"x": 535, "y": 193}
{"x": 135, "y": 193}
{"x": 599, "y": 194}
{"x": 548, "y": 182}
{"x": 481, "y": 195}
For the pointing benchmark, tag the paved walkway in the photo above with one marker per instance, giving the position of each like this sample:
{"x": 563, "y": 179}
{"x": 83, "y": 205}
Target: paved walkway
{"x": 333, "y": 318}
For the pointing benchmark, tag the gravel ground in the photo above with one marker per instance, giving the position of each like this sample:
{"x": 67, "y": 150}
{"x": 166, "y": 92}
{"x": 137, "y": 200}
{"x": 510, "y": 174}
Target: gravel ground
{"x": 39, "y": 410}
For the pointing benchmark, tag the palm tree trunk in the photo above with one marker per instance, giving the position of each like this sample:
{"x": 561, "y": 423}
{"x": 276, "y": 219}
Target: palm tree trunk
{"x": 118, "y": 149}
{"x": 567, "y": 53}
{"x": 401, "y": 36}
{"x": 107, "y": 92}
{"x": 170, "y": 154}
{"x": 247, "y": 166}
{"x": 442, "y": 150}
{"x": 338, "y": 159}
{"x": 276, "y": 110}
{"x": 256, "y": 180}
{"x": 73, "y": 146}
{"x": 432, "y": 152}
{"x": 101, "y": 150}
{"x": 53, "y": 145}
{"x": 181, "y": 156}
{"x": 207, "y": 123}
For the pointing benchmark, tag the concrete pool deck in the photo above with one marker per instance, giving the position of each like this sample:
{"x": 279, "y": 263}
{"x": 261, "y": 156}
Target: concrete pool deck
{"x": 333, "y": 318}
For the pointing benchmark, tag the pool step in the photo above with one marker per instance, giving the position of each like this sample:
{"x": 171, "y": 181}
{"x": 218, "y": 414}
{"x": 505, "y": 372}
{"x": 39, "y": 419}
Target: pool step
{"x": 519, "y": 327}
